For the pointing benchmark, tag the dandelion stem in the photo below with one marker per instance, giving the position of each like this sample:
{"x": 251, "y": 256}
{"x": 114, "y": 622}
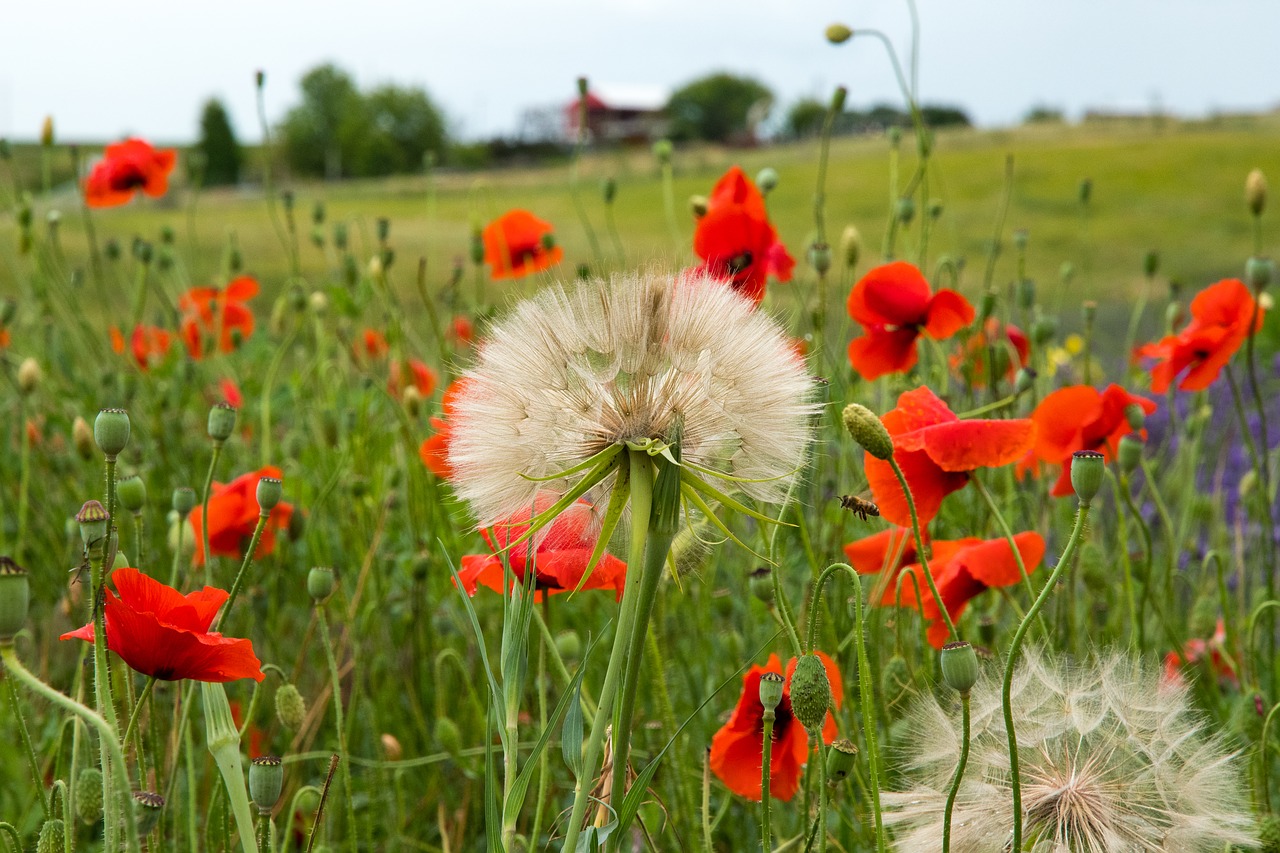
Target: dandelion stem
{"x": 959, "y": 774}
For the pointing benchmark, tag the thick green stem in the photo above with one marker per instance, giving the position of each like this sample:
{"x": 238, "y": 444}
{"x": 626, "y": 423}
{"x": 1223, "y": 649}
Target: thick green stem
{"x": 137, "y": 713}
{"x": 204, "y": 515}
{"x": 244, "y": 567}
{"x": 224, "y": 745}
{"x": 766, "y": 835}
{"x": 870, "y": 720}
{"x": 24, "y": 476}
{"x": 922, "y": 553}
{"x": 336, "y": 687}
{"x": 28, "y": 748}
{"x": 949, "y": 809}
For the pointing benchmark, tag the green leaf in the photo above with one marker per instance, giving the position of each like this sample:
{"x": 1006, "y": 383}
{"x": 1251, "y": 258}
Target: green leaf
{"x": 537, "y": 522}
{"x": 571, "y": 734}
{"x": 696, "y": 499}
{"x": 604, "y": 455}
{"x": 492, "y": 823}
{"x": 719, "y": 496}
{"x": 495, "y": 695}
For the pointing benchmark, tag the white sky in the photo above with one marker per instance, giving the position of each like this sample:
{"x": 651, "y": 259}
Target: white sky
{"x": 104, "y": 69}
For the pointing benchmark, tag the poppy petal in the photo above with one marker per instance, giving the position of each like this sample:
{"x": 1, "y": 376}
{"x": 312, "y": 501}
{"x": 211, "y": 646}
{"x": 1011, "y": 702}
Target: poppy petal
{"x": 893, "y": 294}
{"x": 948, "y": 313}
{"x": 966, "y": 445}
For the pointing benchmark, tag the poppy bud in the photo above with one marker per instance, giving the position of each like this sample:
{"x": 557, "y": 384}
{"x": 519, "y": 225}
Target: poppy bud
{"x": 92, "y": 519}
{"x": 850, "y": 246}
{"x": 320, "y": 583}
{"x": 1150, "y": 263}
{"x": 447, "y": 735}
{"x": 82, "y": 438}
{"x": 268, "y": 494}
{"x": 820, "y": 257}
{"x": 906, "y": 210}
{"x": 146, "y": 810}
{"x": 771, "y": 684}
{"x": 1024, "y": 380}
{"x": 1043, "y": 330}
{"x": 8, "y": 310}
{"x": 1258, "y": 272}
{"x": 987, "y": 305}
{"x": 259, "y": 78}
{"x": 760, "y": 583}
{"x": 1136, "y": 417}
{"x": 1087, "y": 468}
{"x": 1129, "y": 453}
{"x": 1255, "y": 192}
{"x": 53, "y": 837}
{"x": 895, "y": 678}
{"x": 583, "y": 87}
{"x": 266, "y": 779}
{"x": 132, "y": 493}
{"x": 184, "y": 500}
{"x": 46, "y": 132}
{"x": 222, "y": 422}
{"x": 412, "y": 400}
{"x": 112, "y": 249}
{"x": 868, "y": 431}
{"x": 111, "y": 431}
{"x": 569, "y": 645}
{"x": 391, "y": 746}
{"x": 1085, "y": 192}
{"x": 767, "y": 179}
{"x": 959, "y": 666}
{"x": 1026, "y": 294}
{"x": 840, "y": 758}
{"x": 142, "y": 251}
{"x": 662, "y": 151}
{"x": 119, "y": 560}
{"x": 810, "y": 692}
{"x": 894, "y": 135}
{"x": 291, "y": 708}
{"x": 698, "y": 204}
{"x": 838, "y": 98}
{"x": 838, "y": 34}
{"x": 89, "y": 795}
{"x": 609, "y": 189}
{"x": 15, "y": 598}
{"x": 318, "y": 303}
{"x": 28, "y": 376}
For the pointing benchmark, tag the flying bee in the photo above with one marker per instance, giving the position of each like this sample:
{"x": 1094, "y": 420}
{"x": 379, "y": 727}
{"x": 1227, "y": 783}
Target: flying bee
{"x": 860, "y": 507}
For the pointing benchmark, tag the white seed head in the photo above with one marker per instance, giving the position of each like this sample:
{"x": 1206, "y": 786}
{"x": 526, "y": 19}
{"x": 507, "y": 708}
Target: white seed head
{"x": 1112, "y": 760}
{"x": 577, "y": 369}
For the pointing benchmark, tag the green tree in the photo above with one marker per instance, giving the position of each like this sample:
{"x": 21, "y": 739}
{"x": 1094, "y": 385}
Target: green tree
{"x": 805, "y": 118}
{"x": 218, "y": 147}
{"x": 400, "y": 125}
{"x": 718, "y": 108}
{"x": 315, "y": 130}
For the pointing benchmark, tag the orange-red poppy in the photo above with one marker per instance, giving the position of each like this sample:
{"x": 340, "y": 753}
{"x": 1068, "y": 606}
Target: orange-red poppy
{"x": 936, "y": 450}
{"x": 415, "y": 373}
{"x": 1080, "y": 417}
{"x": 462, "y": 333}
{"x": 563, "y": 552}
{"x": 518, "y": 243}
{"x": 160, "y": 632}
{"x": 737, "y": 749}
{"x": 125, "y": 167}
{"x": 221, "y": 314}
{"x": 233, "y": 514}
{"x": 895, "y": 305}
{"x": 4, "y": 338}
{"x": 435, "y": 450}
{"x": 1196, "y": 650}
{"x": 1009, "y": 345}
{"x": 1220, "y": 322}
{"x": 231, "y": 392}
{"x": 736, "y": 240}
{"x": 962, "y": 569}
{"x": 372, "y": 346}
{"x": 149, "y": 344}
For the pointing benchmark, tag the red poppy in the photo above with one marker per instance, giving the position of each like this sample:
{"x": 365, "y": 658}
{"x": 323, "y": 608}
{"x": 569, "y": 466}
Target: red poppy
{"x": 1080, "y": 417}
{"x": 208, "y": 312}
{"x": 418, "y": 375}
{"x": 735, "y": 239}
{"x": 737, "y": 750}
{"x": 1220, "y": 322}
{"x": 936, "y": 450}
{"x": 4, "y": 338}
{"x": 125, "y": 167}
{"x": 435, "y": 450}
{"x": 372, "y": 346}
{"x": 961, "y": 568}
{"x": 1011, "y": 348}
{"x": 256, "y": 737}
{"x": 462, "y": 333}
{"x": 518, "y": 243}
{"x": 150, "y": 344}
{"x": 895, "y": 305}
{"x": 231, "y": 393}
{"x": 233, "y": 510}
{"x": 1195, "y": 650}
{"x": 160, "y": 632}
{"x": 563, "y": 552}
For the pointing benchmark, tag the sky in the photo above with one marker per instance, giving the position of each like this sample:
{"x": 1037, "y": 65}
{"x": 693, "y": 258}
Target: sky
{"x": 105, "y": 70}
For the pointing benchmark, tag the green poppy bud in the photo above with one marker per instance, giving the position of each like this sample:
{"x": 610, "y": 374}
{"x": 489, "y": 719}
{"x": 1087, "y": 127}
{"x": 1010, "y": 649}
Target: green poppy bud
{"x": 15, "y": 598}
{"x": 53, "y": 837}
{"x": 1026, "y": 294}
{"x": 959, "y": 666}
{"x": 1258, "y": 272}
{"x": 838, "y": 34}
{"x": 111, "y": 431}
{"x": 820, "y": 257}
{"x": 89, "y": 795}
{"x": 895, "y": 678}
{"x": 698, "y": 205}
{"x": 850, "y": 246}
{"x": 760, "y": 582}
{"x": 320, "y": 583}
{"x": 268, "y": 493}
{"x": 609, "y": 190}
{"x": 905, "y": 210}
{"x": 291, "y": 708}
{"x": 266, "y": 779}
{"x": 987, "y": 305}
{"x": 447, "y": 735}
{"x": 771, "y": 684}
{"x": 841, "y": 756}
{"x": 132, "y": 493}
{"x": 1255, "y": 192}
{"x": 767, "y": 179}
{"x": 317, "y": 213}
{"x": 222, "y": 422}
{"x": 868, "y": 431}
{"x": 92, "y": 519}
{"x": 146, "y": 811}
{"x": 184, "y": 500}
{"x": 1129, "y": 453}
{"x": 894, "y": 135}
{"x": 1020, "y": 239}
{"x": 1024, "y": 380}
{"x": 662, "y": 151}
{"x": 1087, "y": 469}
{"x": 1134, "y": 414}
{"x": 810, "y": 692}
{"x": 1043, "y": 330}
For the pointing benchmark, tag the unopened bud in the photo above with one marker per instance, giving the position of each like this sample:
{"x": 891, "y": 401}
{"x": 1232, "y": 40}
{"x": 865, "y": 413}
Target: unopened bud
{"x": 1026, "y": 294}
{"x": 838, "y": 98}
{"x": 698, "y": 204}
{"x": 810, "y": 692}
{"x": 89, "y": 795}
{"x": 609, "y": 190}
{"x": 868, "y": 431}
{"x": 1255, "y": 192}
{"x": 1020, "y": 239}
{"x": 905, "y": 210}
{"x": 767, "y": 179}
{"x": 987, "y": 305}
{"x": 82, "y": 438}
{"x": 291, "y": 708}
{"x": 1135, "y": 416}
{"x": 1043, "y": 330}
{"x": 662, "y": 151}
{"x": 447, "y": 735}
{"x": 1129, "y": 452}
{"x": 569, "y": 645}
{"x": 29, "y": 375}
{"x": 53, "y": 837}
{"x": 760, "y": 583}
{"x": 412, "y": 400}
{"x": 850, "y": 246}
{"x": 838, "y": 34}
{"x": 46, "y": 131}
{"x": 1024, "y": 380}
{"x": 1087, "y": 469}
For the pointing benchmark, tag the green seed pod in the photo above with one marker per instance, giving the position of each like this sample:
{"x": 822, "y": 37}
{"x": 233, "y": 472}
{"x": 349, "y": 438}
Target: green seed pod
{"x": 184, "y": 500}
{"x": 868, "y": 431}
{"x": 269, "y": 491}
{"x": 1087, "y": 469}
{"x": 89, "y": 795}
{"x": 840, "y": 759}
{"x": 838, "y": 34}
{"x": 760, "y": 582}
{"x": 1024, "y": 380}
{"x": 291, "y": 708}
{"x": 146, "y": 810}
{"x": 320, "y": 583}
{"x": 132, "y": 493}
{"x": 447, "y": 735}
{"x": 959, "y": 666}
{"x": 53, "y": 837}
{"x": 15, "y": 598}
{"x": 111, "y": 431}
{"x": 767, "y": 179}
{"x": 771, "y": 684}
{"x": 895, "y": 677}
{"x": 820, "y": 257}
{"x": 1258, "y": 272}
{"x": 1129, "y": 453}
{"x": 266, "y": 779}
{"x": 1136, "y": 417}
{"x": 222, "y": 422}
{"x": 905, "y": 210}
{"x": 92, "y": 519}
{"x": 810, "y": 692}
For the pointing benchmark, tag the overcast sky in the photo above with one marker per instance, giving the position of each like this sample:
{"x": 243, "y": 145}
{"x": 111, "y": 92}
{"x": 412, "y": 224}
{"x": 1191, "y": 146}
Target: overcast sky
{"x": 106, "y": 69}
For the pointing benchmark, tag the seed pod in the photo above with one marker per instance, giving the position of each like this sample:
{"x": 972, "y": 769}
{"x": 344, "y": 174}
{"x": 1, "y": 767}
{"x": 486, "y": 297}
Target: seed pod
{"x": 320, "y": 583}
{"x": 111, "y": 431}
{"x": 89, "y": 795}
{"x": 840, "y": 759}
{"x": 132, "y": 493}
{"x": 222, "y": 422}
{"x": 810, "y": 692}
{"x": 959, "y": 666}
{"x": 268, "y": 494}
{"x": 1087, "y": 469}
{"x": 771, "y": 688}
{"x": 266, "y": 779}
{"x": 146, "y": 811}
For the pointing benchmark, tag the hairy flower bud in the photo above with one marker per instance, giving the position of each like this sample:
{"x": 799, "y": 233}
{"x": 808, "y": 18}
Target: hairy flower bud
{"x": 810, "y": 692}
{"x": 53, "y": 837}
{"x": 291, "y": 708}
{"x": 868, "y": 430}
{"x": 89, "y": 795}
{"x": 838, "y": 34}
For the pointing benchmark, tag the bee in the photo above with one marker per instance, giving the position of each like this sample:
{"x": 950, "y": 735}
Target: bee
{"x": 860, "y": 507}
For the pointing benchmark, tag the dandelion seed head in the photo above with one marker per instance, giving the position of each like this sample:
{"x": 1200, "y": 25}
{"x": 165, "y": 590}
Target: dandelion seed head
{"x": 579, "y": 368}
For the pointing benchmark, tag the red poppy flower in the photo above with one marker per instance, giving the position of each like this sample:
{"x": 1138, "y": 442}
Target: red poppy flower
{"x": 961, "y": 568}
{"x": 435, "y": 450}
{"x": 1195, "y": 650}
{"x": 936, "y": 450}
{"x": 1220, "y": 322}
{"x": 737, "y": 750}
{"x": 233, "y": 513}
{"x": 1080, "y": 417}
{"x": 150, "y": 344}
{"x": 418, "y": 374}
{"x": 160, "y": 632}
{"x": 372, "y": 346}
{"x": 208, "y": 312}
{"x": 895, "y": 305}
{"x": 735, "y": 239}
{"x": 563, "y": 551}
{"x": 4, "y": 338}
{"x": 462, "y": 333}
{"x": 125, "y": 167}
{"x": 1011, "y": 348}
{"x": 518, "y": 243}
{"x": 255, "y": 736}
{"x": 231, "y": 392}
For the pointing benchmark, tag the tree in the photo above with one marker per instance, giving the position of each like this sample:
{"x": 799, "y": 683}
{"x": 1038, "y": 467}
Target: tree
{"x": 314, "y": 130}
{"x": 218, "y": 146}
{"x": 400, "y": 126}
{"x": 805, "y": 117}
{"x": 718, "y": 108}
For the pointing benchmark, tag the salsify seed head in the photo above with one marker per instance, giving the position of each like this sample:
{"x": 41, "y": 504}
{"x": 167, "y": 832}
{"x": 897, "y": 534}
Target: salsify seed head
{"x": 578, "y": 369}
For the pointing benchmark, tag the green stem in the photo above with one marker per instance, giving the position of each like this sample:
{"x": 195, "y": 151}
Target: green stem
{"x": 669, "y": 204}
{"x": 139, "y": 296}
{"x": 766, "y": 768}
{"x": 204, "y": 515}
{"x": 28, "y": 747}
{"x": 706, "y": 803}
{"x": 922, "y": 553}
{"x": 175, "y": 565}
{"x": 24, "y": 477}
{"x": 336, "y": 687}
{"x": 244, "y": 568}
{"x": 870, "y": 720}
{"x": 959, "y": 774}
{"x": 267, "y": 384}
{"x": 138, "y": 541}
{"x": 137, "y": 710}
{"x": 1006, "y": 687}
{"x": 1008, "y": 534}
